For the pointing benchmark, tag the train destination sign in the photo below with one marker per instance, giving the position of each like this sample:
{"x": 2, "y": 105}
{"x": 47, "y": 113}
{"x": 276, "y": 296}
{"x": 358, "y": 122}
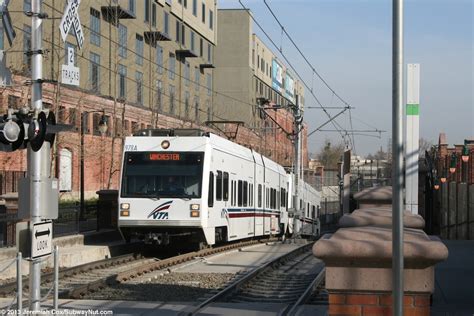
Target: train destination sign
{"x": 159, "y": 156}
{"x": 71, "y": 19}
{"x": 41, "y": 239}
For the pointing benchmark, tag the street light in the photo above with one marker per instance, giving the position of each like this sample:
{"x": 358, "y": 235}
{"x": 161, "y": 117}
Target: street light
{"x": 452, "y": 166}
{"x": 465, "y": 154}
{"x": 102, "y": 129}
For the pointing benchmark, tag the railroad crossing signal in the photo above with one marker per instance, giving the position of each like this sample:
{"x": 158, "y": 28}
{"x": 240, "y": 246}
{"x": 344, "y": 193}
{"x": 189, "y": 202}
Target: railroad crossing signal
{"x": 71, "y": 18}
{"x": 6, "y": 20}
{"x": 70, "y": 73}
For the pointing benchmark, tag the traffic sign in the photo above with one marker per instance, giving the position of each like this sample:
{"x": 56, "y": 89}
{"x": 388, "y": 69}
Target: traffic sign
{"x": 70, "y": 73}
{"x": 41, "y": 239}
{"x": 71, "y": 19}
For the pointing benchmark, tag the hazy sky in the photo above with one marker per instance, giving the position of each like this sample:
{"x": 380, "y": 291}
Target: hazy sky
{"x": 349, "y": 42}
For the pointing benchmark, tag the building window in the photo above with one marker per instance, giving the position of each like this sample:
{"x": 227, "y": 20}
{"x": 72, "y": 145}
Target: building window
{"x": 171, "y": 99}
{"x": 178, "y": 29}
{"x": 186, "y": 104}
{"x": 171, "y": 66}
{"x": 131, "y": 6}
{"x": 139, "y": 49}
{"x": 166, "y": 20}
{"x": 192, "y": 41}
{"x": 159, "y": 96}
{"x": 65, "y": 170}
{"x": 187, "y": 70}
{"x": 27, "y": 5}
{"x": 197, "y": 75}
{"x": 153, "y": 15}
{"x": 196, "y": 109}
{"x": 1, "y": 36}
{"x": 159, "y": 58}
{"x": 183, "y": 33}
{"x": 95, "y": 72}
{"x": 122, "y": 71}
{"x": 139, "y": 81}
{"x": 209, "y": 52}
{"x": 203, "y": 12}
{"x": 195, "y": 8}
{"x": 209, "y": 112}
{"x": 122, "y": 41}
{"x": 147, "y": 11}
{"x": 27, "y": 46}
{"x": 211, "y": 19}
{"x": 201, "y": 47}
{"x": 209, "y": 84}
{"x": 95, "y": 27}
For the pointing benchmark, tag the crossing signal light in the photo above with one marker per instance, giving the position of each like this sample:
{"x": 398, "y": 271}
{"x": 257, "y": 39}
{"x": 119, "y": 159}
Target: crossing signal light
{"x": 18, "y": 128}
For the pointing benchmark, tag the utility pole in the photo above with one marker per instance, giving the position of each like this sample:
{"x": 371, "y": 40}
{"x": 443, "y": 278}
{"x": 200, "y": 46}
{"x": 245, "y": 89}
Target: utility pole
{"x": 298, "y": 126}
{"x": 39, "y": 161}
{"x": 397, "y": 150}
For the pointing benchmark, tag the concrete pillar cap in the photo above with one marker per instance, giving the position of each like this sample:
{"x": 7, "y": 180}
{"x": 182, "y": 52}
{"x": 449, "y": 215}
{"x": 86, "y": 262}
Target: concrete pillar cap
{"x": 371, "y": 246}
{"x": 379, "y": 217}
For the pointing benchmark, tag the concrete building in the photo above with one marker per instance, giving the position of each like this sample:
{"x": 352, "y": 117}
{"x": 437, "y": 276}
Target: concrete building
{"x": 246, "y": 69}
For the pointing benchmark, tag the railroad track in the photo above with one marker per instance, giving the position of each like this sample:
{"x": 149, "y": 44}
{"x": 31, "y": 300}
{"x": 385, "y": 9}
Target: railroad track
{"x": 66, "y": 274}
{"x": 77, "y": 282}
{"x": 291, "y": 279}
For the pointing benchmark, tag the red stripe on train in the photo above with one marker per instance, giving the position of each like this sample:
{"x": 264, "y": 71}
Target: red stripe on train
{"x": 232, "y": 215}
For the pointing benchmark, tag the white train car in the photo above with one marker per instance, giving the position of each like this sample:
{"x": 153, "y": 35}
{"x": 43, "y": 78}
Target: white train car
{"x": 198, "y": 187}
{"x": 305, "y": 221}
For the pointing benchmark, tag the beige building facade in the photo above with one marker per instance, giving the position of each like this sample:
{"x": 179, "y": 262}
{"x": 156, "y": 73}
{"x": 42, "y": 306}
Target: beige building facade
{"x": 247, "y": 69}
{"x": 154, "y": 54}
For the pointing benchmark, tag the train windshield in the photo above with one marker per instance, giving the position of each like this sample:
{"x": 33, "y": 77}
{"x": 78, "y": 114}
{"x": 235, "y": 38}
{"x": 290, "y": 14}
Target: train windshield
{"x": 159, "y": 174}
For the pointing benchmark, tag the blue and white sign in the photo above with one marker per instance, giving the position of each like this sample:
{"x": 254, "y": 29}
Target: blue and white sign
{"x": 290, "y": 88}
{"x": 277, "y": 76}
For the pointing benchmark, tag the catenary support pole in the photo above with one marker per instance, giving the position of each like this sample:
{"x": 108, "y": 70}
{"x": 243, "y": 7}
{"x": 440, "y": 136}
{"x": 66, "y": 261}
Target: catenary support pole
{"x": 38, "y": 162}
{"x": 397, "y": 149}
{"x": 298, "y": 120}
{"x": 19, "y": 284}
{"x": 56, "y": 278}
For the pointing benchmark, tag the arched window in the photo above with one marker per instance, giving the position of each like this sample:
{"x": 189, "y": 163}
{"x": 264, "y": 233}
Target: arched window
{"x": 65, "y": 170}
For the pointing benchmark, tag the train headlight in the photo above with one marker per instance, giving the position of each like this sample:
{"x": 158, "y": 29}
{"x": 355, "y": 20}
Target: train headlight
{"x": 125, "y": 206}
{"x": 194, "y": 213}
{"x": 124, "y": 213}
{"x": 194, "y": 207}
{"x": 165, "y": 144}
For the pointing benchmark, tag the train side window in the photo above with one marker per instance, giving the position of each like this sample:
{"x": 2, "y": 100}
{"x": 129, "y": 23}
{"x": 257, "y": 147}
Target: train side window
{"x": 259, "y": 195}
{"x": 278, "y": 196}
{"x": 240, "y": 193}
{"x": 231, "y": 193}
{"x": 219, "y": 186}
{"x": 246, "y": 193}
{"x": 210, "y": 199}
{"x": 226, "y": 186}
{"x": 251, "y": 194}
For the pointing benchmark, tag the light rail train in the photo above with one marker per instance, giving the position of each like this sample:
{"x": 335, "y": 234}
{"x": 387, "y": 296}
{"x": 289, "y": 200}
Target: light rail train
{"x": 191, "y": 186}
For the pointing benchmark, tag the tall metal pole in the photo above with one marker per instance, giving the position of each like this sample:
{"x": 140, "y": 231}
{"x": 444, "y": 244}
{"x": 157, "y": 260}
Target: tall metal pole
{"x": 81, "y": 210}
{"x": 397, "y": 149}
{"x": 38, "y": 162}
{"x": 298, "y": 121}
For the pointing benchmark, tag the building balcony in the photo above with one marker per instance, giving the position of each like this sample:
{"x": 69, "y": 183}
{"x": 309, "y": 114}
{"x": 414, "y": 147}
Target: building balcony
{"x": 185, "y": 53}
{"x": 206, "y": 66}
{"x": 152, "y": 37}
{"x": 113, "y": 13}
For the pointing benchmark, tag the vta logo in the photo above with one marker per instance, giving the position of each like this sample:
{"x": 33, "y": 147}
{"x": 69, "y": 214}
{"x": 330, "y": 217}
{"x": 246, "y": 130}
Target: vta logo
{"x": 158, "y": 213}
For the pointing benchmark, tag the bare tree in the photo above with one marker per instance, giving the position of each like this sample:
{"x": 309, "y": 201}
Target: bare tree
{"x": 330, "y": 155}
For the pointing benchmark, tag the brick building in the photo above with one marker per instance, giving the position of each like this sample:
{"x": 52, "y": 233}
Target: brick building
{"x": 145, "y": 64}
